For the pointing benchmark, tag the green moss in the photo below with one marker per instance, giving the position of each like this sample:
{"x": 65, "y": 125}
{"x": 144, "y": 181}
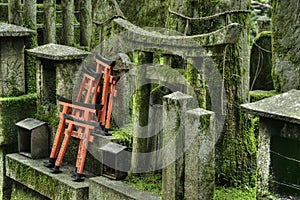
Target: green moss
{"x": 259, "y": 95}
{"x": 39, "y": 182}
{"x": 125, "y": 134}
{"x": 222, "y": 193}
{"x": 13, "y": 110}
{"x": 149, "y": 182}
{"x": 4, "y": 12}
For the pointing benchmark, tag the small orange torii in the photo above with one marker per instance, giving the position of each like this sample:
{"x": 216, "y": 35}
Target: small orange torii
{"x": 91, "y": 111}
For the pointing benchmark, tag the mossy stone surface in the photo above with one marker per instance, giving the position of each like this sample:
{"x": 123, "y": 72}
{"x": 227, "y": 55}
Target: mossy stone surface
{"x": 286, "y": 44}
{"x": 283, "y": 107}
{"x": 58, "y": 52}
{"x": 13, "y": 110}
{"x": 104, "y": 188}
{"x": 33, "y": 175}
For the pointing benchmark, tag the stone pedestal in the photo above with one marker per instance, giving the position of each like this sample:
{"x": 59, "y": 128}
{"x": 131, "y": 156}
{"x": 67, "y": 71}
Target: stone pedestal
{"x": 199, "y": 167}
{"x": 278, "y": 142}
{"x": 56, "y": 70}
{"x": 174, "y": 107}
{"x": 12, "y": 71}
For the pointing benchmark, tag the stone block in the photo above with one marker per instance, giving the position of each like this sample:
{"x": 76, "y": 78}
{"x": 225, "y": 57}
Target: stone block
{"x": 199, "y": 167}
{"x": 12, "y": 76}
{"x": 286, "y": 45}
{"x": 33, "y": 175}
{"x": 13, "y": 110}
{"x": 33, "y": 138}
{"x": 104, "y": 188}
{"x": 174, "y": 107}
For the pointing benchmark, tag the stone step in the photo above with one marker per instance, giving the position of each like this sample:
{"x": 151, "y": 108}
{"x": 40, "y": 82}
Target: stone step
{"x": 104, "y": 188}
{"x": 32, "y": 174}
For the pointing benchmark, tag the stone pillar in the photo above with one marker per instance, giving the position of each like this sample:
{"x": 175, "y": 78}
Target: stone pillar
{"x": 174, "y": 107}
{"x": 49, "y": 21}
{"x": 263, "y": 24}
{"x": 68, "y": 22}
{"x": 140, "y": 160}
{"x": 12, "y": 71}
{"x": 263, "y": 158}
{"x": 85, "y": 22}
{"x": 56, "y": 71}
{"x": 286, "y": 45}
{"x": 14, "y": 12}
{"x": 199, "y": 167}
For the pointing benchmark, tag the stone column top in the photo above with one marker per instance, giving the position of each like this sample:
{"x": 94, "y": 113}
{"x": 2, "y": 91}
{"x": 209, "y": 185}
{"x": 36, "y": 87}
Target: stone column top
{"x": 10, "y": 30}
{"x": 285, "y": 107}
{"x": 58, "y": 52}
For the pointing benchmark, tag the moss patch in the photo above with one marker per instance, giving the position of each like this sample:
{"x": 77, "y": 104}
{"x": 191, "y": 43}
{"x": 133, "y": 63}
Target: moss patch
{"x": 146, "y": 182}
{"x": 259, "y": 95}
{"x": 12, "y": 110}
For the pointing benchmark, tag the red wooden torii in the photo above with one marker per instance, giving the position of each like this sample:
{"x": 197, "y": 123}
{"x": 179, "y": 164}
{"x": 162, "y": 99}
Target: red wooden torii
{"x": 91, "y": 111}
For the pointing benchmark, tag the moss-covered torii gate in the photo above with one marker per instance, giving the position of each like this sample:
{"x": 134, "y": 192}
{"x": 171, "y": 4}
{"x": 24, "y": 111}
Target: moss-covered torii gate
{"x": 236, "y": 149}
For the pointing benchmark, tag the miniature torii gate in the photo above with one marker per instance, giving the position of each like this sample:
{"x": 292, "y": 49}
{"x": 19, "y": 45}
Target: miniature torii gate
{"x": 91, "y": 111}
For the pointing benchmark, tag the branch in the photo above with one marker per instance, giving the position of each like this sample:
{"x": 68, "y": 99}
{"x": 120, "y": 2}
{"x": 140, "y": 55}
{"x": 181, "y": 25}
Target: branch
{"x": 108, "y": 20}
{"x": 209, "y": 17}
{"x": 261, "y": 4}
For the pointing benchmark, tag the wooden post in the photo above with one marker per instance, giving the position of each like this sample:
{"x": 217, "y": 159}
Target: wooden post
{"x": 85, "y": 22}
{"x": 49, "y": 21}
{"x": 68, "y": 22}
{"x": 14, "y": 12}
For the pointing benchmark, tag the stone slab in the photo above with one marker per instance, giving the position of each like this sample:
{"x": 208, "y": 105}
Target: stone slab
{"x": 10, "y": 30}
{"x": 285, "y": 107}
{"x": 58, "y": 52}
{"x": 104, "y": 188}
{"x": 32, "y": 174}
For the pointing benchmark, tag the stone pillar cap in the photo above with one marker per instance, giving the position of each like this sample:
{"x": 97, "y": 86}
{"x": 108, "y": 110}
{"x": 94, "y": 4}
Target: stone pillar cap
{"x": 11, "y": 30}
{"x": 58, "y": 52}
{"x": 285, "y": 107}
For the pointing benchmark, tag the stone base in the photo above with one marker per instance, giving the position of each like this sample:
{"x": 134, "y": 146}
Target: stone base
{"x": 104, "y": 188}
{"x": 33, "y": 175}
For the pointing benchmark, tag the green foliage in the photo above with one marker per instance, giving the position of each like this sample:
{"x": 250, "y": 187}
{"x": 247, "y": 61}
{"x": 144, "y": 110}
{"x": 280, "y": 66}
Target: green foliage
{"x": 48, "y": 113}
{"x": 256, "y": 13}
{"x": 259, "y": 95}
{"x": 150, "y": 182}
{"x": 125, "y": 134}
{"x": 222, "y": 193}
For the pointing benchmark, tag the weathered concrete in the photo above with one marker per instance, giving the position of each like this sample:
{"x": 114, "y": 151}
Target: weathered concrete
{"x": 199, "y": 163}
{"x": 174, "y": 107}
{"x": 57, "y": 66}
{"x": 12, "y": 70}
{"x": 280, "y": 118}
{"x": 135, "y": 36}
{"x": 285, "y": 107}
{"x": 104, "y": 188}
{"x": 33, "y": 175}
{"x": 58, "y": 52}
{"x": 286, "y": 44}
